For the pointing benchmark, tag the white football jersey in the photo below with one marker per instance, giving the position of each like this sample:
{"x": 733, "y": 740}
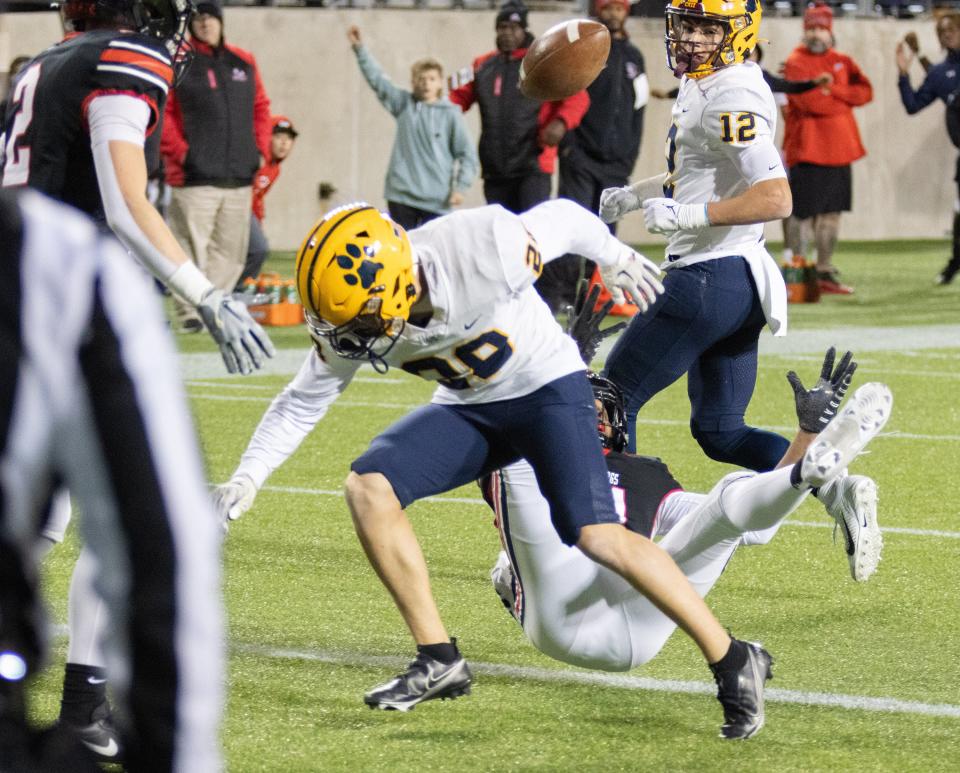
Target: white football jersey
{"x": 491, "y": 337}
{"x": 720, "y": 143}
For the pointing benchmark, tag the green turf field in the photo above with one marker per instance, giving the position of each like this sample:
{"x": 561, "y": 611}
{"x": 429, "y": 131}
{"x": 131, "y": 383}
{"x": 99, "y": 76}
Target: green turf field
{"x": 867, "y": 677}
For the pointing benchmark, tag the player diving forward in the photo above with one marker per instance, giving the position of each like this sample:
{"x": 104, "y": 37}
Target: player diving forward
{"x": 578, "y": 612}
{"x": 454, "y": 302}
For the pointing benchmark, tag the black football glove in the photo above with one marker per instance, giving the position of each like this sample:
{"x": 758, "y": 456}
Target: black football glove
{"x": 583, "y": 323}
{"x": 817, "y": 406}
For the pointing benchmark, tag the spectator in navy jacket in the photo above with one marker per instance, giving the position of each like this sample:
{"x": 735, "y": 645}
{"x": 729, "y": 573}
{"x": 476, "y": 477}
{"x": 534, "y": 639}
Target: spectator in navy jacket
{"x": 216, "y": 130}
{"x": 941, "y": 82}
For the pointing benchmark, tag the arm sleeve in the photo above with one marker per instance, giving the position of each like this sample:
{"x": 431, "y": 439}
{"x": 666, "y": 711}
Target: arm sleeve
{"x": 561, "y": 226}
{"x": 570, "y": 110}
{"x": 953, "y": 118}
{"x": 915, "y": 101}
{"x": 641, "y": 91}
{"x": 262, "y": 125}
{"x": 814, "y": 101}
{"x": 292, "y": 415}
{"x": 462, "y": 90}
{"x": 122, "y": 118}
{"x": 857, "y": 91}
{"x": 464, "y": 151}
{"x": 780, "y": 85}
{"x": 173, "y": 143}
{"x": 738, "y": 124}
{"x": 392, "y": 98}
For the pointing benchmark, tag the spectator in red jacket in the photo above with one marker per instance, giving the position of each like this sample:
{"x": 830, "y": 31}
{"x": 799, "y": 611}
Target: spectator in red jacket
{"x": 216, "y": 129}
{"x": 281, "y": 143}
{"x": 821, "y": 140}
{"x": 518, "y": 136}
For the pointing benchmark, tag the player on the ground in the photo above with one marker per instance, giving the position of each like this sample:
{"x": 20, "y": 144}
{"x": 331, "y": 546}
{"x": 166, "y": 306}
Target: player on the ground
{"x": 724, "y": 180}
{"x": 79, "y": 118}
{"x": 92, "y": 399}
{"x": 580, "y": 613}
{"x": 454, "y": 302}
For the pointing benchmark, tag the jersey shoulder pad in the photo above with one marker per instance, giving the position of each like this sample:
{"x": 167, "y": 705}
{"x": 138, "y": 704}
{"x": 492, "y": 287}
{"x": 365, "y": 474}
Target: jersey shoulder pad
{"x": 740, "y": 113}
{"x": 134, "y": 63}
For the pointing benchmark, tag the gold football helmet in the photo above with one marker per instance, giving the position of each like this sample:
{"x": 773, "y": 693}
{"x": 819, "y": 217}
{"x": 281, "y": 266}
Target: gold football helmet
{"x": 355, "y": 279}
{"x": 740, "y": 20}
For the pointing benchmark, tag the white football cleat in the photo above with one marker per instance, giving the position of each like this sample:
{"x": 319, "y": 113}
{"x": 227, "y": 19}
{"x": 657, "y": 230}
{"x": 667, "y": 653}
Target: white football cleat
{"x": 853, "y": 505}
{"x": 859, "y": 421}
{"x": 504, "y": 583}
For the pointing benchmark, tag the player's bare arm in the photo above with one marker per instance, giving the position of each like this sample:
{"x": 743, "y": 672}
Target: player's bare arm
{"x": 760, "y": 203}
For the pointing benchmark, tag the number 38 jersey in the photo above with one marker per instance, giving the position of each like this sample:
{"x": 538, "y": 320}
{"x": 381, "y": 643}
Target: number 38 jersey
{"x": 46, "y": 144}
{"x": 490, "y": 337}
{"x": 720, "y": 143}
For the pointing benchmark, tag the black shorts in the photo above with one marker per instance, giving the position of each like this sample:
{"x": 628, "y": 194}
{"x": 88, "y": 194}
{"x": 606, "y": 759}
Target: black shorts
{"x": 819, "y": 190}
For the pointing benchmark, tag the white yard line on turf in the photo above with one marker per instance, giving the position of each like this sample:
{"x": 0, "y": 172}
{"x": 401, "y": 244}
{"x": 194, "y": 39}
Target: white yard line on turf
{"x": 773, "y": 694}
{"x": 479, "y": 502}
{"x": 204, "y": 365}
{"x": 602, "y": 679}
{"x": 652, "y": 422}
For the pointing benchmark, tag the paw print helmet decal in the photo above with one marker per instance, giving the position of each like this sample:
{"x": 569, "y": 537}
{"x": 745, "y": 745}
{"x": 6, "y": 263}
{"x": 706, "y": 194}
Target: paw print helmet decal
{"x": 355, "y": 278}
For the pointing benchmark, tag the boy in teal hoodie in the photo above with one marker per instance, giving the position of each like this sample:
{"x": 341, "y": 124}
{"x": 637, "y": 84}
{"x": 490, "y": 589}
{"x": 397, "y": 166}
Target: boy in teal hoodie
{"x": 433, "y": 160}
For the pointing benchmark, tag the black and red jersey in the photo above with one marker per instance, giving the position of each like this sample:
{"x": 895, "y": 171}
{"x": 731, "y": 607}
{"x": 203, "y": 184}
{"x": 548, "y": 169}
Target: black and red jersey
{"x": 510, "y": 122}
{"x": 639, "y": 485}
{"x": 46, "y": 137}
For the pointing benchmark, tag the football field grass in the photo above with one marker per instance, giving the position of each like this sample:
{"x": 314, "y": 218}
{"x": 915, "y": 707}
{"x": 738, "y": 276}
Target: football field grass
{"x": 867, "y": 676}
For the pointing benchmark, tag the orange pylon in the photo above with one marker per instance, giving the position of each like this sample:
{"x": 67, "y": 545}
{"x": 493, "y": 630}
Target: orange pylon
{"x": 626, "y": 309}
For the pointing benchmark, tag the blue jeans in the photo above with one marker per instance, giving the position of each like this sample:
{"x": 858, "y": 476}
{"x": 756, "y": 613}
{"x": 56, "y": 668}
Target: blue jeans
{"x": 706, "y": 325}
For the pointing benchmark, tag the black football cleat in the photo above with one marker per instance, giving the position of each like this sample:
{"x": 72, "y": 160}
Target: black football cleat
{"x": 740, "y": 692}
{"x": 99, "y": 736}
{"x": 425, "y": 679}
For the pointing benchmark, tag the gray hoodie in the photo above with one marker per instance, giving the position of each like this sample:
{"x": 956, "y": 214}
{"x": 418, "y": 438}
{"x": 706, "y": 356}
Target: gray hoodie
{"x": 433, "y": 154}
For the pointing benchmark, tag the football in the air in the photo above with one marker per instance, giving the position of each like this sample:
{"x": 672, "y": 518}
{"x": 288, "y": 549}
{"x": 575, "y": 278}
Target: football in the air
{"x": 564, "y": 60}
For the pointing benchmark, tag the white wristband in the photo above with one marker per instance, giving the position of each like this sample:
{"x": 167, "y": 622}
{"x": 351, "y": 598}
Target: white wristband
{"x": 692, "y": 216}
{"x": 189, "y": 283}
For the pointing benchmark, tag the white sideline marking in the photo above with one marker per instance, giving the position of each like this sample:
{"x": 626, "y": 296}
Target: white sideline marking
{"x": 773, "y": 694}
{"x": 478, "y": 501}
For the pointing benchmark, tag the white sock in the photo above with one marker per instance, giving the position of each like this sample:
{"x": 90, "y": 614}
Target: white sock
{"x": 86, "y": 613}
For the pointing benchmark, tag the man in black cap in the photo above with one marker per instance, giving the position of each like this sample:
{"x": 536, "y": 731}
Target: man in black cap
{"x": 216, "y": 130}
{"x": 518, "y": 136}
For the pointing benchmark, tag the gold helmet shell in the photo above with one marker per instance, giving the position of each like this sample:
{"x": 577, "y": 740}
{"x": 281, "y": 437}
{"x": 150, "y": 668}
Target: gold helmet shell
{"x": 355, "y": 278}
{"x": 740, "y": 20}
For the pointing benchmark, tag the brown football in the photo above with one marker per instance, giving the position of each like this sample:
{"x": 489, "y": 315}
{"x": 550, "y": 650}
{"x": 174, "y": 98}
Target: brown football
{"x": 564, "y": 60}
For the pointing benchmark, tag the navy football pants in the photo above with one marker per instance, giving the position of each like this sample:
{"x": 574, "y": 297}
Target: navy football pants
{"x": 437, "y": 448}
{"x": 707, "y": 325}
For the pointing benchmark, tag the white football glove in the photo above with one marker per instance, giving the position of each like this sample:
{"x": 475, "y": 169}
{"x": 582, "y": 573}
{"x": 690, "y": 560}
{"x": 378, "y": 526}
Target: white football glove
{"x": 664, "y": 216}
{"x": 616, "y": 202}
{"x": 636, "y": 275}
{"x": 233, "y": 498}
{"x": 241, "y": 339}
